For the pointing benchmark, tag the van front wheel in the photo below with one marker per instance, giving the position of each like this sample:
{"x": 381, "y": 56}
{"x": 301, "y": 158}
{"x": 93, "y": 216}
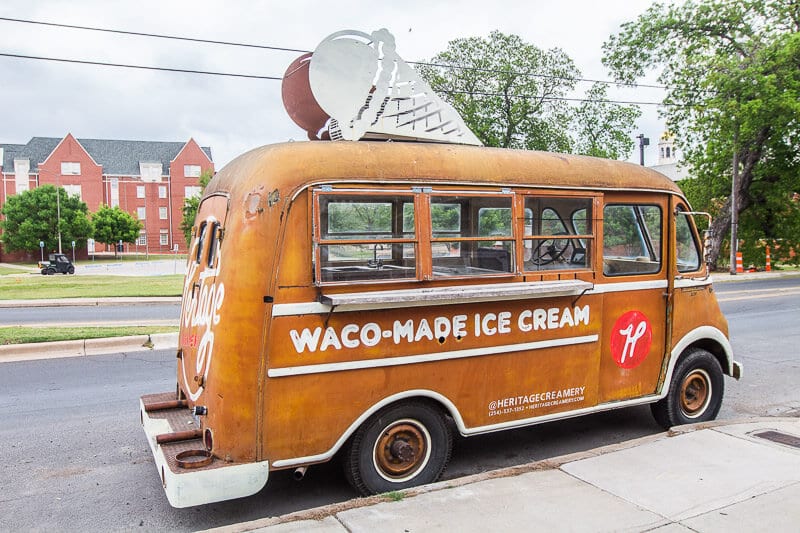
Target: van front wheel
{"x": 401, "y": 446}
{"x": 695, "y": 392}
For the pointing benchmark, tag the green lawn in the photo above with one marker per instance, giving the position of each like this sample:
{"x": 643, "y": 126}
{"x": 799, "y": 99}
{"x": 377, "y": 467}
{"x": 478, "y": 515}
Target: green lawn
{"x": 24, "y": 335}
{"x": 32, "y": 287}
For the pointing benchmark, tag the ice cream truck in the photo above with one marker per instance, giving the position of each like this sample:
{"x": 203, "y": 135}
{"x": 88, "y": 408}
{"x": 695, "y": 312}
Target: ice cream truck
{"x": 363, "y": 300}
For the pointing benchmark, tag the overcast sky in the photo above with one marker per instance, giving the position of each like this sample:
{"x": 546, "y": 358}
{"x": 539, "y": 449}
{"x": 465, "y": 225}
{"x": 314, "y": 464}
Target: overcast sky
{"x": 233, "y": 115}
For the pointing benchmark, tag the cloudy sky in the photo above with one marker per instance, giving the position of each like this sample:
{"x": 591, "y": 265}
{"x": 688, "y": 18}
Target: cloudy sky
{"x": 230, "y": 114}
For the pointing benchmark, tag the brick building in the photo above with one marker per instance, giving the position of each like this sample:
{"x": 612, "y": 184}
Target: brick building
{"x": 150, "y": 180}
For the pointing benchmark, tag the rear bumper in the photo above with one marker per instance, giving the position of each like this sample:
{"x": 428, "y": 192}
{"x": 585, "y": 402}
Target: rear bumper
{"x": 215, "y": 482}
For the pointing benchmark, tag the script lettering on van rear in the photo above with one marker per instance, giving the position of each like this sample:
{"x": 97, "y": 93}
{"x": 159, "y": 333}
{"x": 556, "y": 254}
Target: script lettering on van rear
{"x": 441, "y": 328}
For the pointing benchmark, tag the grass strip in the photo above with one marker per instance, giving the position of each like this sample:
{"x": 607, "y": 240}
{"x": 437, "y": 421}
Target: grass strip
{"x": 31, "y": 287}
{"x": 25, "y": 335}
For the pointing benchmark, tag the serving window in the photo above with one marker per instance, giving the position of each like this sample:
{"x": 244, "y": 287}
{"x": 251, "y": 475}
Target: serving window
{"x": 471, "y": 235}
{"x": 558, "y": 233}
{"x": 361, "y": 237}
{"x": 425, "y": 234}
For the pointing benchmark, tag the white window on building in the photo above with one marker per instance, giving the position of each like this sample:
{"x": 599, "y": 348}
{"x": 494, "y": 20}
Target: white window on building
{"x": 22, "y": 169}
{"x": 70, "y": 168}
{"x": 191, "y": 191}
{"x": 162, "y": 213}
{"x": 162, "y": 191}
{"x": 140, "y": 191}
{"x": 191, "y": 171}
{"x": 163, "y": 237}
{"x": 150, "y": 170}
{"x": 140, "y": 213}
{"x": 114, "y": 192}
{"x": 73, "y": 190}
{"x": 142, "y": 240}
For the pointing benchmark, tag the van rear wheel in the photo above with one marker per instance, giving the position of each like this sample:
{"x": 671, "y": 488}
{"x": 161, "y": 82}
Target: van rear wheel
{"x": 695, "y": 392}
{"x": 401, "y": 446}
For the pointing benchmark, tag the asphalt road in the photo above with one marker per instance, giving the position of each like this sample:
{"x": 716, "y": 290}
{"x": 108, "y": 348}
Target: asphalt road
{"x": 151, "y": 314}
{"x": 75, "y": 458}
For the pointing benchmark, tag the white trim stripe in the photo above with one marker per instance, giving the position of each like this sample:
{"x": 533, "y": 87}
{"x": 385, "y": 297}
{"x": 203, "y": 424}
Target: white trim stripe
{"x": 317, "y": 308}
{"x": 427, "y": 358}
{"x": 628, "y": 286}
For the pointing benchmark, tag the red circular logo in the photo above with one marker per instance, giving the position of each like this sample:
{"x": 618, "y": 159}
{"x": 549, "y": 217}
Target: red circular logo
{"x": 631, "y": 339}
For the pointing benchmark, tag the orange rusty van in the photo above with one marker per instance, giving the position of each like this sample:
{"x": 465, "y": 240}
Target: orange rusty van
{"x": 357, "y": 300}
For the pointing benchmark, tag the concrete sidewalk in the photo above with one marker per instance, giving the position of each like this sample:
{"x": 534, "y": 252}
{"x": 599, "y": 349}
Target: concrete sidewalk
{"x": 708, "y": 477}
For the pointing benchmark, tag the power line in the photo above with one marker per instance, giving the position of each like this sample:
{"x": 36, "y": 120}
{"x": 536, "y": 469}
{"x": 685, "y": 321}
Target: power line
{"x": 142, "y": 67}
{"x": 154, "y": 35}
{"x": 277, "y": 78}
{"x": 534, "y": 75}
{"x": 566, "y": 99}
{"x": 283, "y": 49}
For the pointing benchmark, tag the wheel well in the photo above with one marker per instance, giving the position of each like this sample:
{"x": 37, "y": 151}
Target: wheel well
{"x": 429, "y": 401}
{"x": 715, "y": 349}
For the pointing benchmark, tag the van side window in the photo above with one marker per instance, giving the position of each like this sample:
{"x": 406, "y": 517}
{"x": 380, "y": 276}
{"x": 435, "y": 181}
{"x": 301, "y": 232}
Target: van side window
{"x": 558, "y": 233}
{"x": 631, "y": 239}
{"x": 201, "y": 240}
{"x": 688, "y": 249}
{"x": 212, "y": 245}
{"x": 363, "y": 237}
{"x": 471, "y": 235}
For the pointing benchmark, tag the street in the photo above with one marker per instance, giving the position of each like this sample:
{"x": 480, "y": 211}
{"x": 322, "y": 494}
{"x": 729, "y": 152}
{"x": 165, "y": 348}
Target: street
{"x": 149, "y": 314}
{"x": 75, "y": 457}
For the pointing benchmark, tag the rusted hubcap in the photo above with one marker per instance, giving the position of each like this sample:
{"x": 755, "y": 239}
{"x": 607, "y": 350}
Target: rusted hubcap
{"x": 695, "y": 393}
{"x": 401, "y": 449}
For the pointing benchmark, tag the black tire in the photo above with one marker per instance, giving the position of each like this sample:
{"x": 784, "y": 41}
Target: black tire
{"x": 401, "y": 446}
{"x": 71, "y": 270}
{"x": 44, "y": 272}
{"x": 695, "y": 392}
{"x": 51, "y": 271}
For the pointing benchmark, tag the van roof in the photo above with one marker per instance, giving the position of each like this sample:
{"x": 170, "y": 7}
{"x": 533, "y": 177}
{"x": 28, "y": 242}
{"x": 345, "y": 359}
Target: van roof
{"x": 290, "y": 167}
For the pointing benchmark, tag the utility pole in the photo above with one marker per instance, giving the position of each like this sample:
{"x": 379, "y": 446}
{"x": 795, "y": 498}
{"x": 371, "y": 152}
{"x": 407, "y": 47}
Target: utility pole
{"x": 643, "y": 141}
{"x": 734, "y": 201}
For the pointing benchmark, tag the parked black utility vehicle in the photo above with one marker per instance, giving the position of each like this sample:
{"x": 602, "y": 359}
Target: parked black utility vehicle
{"x": 57, "y": 263}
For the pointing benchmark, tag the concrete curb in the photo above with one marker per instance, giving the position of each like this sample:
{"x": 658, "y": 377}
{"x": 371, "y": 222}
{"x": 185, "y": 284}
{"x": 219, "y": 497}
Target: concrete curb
{"x": 78, "y": 348}
{"x": 724, "y": 277}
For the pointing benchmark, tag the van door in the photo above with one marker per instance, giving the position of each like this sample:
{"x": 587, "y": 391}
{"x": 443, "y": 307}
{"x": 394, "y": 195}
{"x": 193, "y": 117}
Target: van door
{"x": 201, "y": 296}
{"x": 634, "y": 286}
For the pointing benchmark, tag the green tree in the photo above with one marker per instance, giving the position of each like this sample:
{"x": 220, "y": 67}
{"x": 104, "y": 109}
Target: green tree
{"x": 732, "y": 68}
{"x": 601, "y": 128}
{"x": 511, "y": 94}
{"x": 191, "y": 205}
{"x": 507, "y": 91}
{"x": 38, "y": 214}
{"x": 112, "y": 224}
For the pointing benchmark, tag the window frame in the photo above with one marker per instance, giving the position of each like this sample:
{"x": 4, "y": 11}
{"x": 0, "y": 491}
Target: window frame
{"x": 424, "y": 238}
{"x": 321, "y": 243}
{"x": 510, "y": 239}
{"x": 587, "y": 240}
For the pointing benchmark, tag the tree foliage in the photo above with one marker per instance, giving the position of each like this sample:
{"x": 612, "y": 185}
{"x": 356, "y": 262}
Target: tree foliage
{"x": 601, "y": 128}
{"x": 732, "y": 68}
{"x": 191, "y": 205}
{"x": 37, "y": 214}
{"x": 112, "y": 224}
{"x": 512, "y": 94}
